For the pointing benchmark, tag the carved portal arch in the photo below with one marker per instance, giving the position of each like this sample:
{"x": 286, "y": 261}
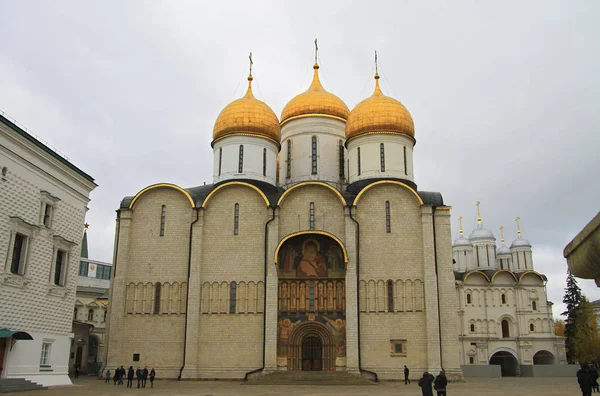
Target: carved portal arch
{"x": 311, "y": 329}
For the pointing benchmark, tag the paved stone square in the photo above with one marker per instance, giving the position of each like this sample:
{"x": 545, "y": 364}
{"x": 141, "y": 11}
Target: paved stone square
{"x": 473, "y": 387}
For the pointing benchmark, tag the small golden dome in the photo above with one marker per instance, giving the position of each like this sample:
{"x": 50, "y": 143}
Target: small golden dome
{"x": 379, "y": 114}
{"x": 315, "y": 101}
{"x": 247, "y": 116}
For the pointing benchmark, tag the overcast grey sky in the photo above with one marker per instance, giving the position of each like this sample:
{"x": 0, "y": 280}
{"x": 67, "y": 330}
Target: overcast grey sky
{"x": 505, "y": 96}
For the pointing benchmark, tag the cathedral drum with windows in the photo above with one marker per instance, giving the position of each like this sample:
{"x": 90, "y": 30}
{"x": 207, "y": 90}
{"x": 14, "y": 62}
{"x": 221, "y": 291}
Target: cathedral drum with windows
{"x": 505, "y": 320}
{"x": 312, "y": 250}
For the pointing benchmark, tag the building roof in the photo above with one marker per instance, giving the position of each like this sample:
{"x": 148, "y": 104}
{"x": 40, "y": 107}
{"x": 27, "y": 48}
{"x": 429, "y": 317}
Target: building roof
{"x": 92, "y": 290}
{"x": 596, "y": 302}
{"x": 199, "y": 193}
{"x": 45, "y": 148}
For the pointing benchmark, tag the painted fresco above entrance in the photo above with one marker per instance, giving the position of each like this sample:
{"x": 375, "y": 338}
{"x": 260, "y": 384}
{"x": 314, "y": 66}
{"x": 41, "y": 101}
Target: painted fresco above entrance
{"x": 311, "y": 256}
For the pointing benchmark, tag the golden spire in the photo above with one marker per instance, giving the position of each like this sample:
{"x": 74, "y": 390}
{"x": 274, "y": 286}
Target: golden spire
{"x": 250, "y": 78}
{"x": 502, "y": 234}
{"x": 478, "y": 213}
{"x": 377, "y": 91}
{"x": 460, "y": 222}
{"x": 518, "y": 220}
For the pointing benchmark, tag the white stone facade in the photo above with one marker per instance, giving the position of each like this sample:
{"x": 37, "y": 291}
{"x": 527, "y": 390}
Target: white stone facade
{"x": 43, "y": 200}
{"x": 504, "y": 316}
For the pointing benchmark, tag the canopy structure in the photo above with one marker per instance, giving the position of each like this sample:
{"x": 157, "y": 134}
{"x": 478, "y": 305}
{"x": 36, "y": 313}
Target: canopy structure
{"x": 583, "y": 252}
{"x": 15, "y": 334}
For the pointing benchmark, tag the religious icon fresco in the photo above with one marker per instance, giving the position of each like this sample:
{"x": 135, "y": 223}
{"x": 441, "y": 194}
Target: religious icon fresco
{"x": 311, "y": 256}
{"x": 311, "y": 273}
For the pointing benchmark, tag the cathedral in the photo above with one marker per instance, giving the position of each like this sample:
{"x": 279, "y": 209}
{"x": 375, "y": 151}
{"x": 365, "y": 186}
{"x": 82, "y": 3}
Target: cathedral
{"x": 312, "y": 250}
{"x": 505, "y": 319}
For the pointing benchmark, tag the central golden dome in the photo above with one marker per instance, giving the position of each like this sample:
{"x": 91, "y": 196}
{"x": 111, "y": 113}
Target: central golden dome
{"x": 315, "y": 101}
{"x": 247, "y": 116}
{"x": 379, "y": 114}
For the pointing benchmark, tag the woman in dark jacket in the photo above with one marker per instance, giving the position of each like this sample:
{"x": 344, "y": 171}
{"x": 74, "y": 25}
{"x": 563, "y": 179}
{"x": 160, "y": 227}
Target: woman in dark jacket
{"x": 425, "y": 384}
{"x": 440, "y": 384}
{"x": 585, "y": 381}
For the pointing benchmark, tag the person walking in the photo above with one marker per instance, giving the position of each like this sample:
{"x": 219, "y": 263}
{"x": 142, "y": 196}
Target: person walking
{"x": 585, "y": 381}
{"x": 144, "y": 376}
{"x": 406, "y": 373}
{"x": 116, "y": 376}
{"x": 440, "y": 384}
{"x": 130, "y": 377}
{"x": 76, "y": 370}
{"x": 121, "y": 374}
{"x": 107, "y": 376}
{"x": 425, "y": 384}
{"x": 152, "y": 376}
{"x": 138, "y": 374}
{"x": 594, "y": 378}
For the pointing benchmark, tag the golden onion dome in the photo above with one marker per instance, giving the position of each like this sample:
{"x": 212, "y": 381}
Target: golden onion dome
{"x": 379, "y": 114}
{"x": 315, "y": 101}
{"x": 247, "y": 116}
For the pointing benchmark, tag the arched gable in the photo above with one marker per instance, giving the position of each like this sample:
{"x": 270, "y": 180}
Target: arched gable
{"x": 476, "y": 272}
{"x": 234, "y": 183}
{"x": 162, "y": 185}
{"x": 394, "y": 182}
{"x": 312, "y": 183}
{"x": 512, "y": 275}
{"x": 531, "y": 274}
{"x": 312, "y": 232}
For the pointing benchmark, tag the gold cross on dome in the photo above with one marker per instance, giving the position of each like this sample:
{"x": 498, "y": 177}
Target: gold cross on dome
{"x": 502, "y": 233}
{"x": 460, "y": 222}
{"x": 316, "y": 52}
{"x": 518, "y": 220}
{"x": 478, "y": 212}
{"x": 251, "y": 63}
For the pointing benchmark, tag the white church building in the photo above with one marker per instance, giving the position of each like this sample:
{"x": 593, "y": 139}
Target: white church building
{"x": 505, "y": 319}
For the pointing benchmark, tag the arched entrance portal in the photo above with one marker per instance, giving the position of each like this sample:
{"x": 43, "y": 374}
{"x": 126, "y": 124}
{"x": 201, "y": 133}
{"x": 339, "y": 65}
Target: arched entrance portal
{"x": 507, "y": 362}
{"x": 311, "y": 312}
{"x": 543, "y": 357}
{"x": 311, "y": 347}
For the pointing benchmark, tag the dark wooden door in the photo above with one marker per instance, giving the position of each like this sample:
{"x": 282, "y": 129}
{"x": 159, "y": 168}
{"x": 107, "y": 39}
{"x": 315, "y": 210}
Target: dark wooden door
{"x": 312, "y": 354}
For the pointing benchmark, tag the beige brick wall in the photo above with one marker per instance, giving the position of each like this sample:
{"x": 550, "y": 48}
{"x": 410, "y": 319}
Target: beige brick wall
{"x": 294, "y": 211}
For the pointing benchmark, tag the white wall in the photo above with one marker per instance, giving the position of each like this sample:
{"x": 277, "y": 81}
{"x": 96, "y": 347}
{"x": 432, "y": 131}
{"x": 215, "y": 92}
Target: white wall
{"x": 370, "y": 158}
{"x": 253, "y": 159}
{"x": 329, "y": 133}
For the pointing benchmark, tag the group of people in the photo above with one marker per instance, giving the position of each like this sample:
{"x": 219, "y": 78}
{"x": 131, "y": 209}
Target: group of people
{"x": 141, "y": 375}
{"x": 439, "y": 383}
{"x": 587, "y": 378}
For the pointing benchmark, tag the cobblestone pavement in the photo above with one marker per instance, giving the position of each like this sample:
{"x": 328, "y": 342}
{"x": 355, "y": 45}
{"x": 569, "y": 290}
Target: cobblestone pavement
{"x": 473, "y": 387}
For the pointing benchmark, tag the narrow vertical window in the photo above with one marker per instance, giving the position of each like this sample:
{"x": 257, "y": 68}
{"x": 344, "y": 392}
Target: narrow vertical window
{"x": 75, "y": 314}
{"x": 477, "y": 254}
{"x": 163, "y": 218}
{"x": 311, "y": 296}
{"x": 358, "y": 159}
{"x": 157, "y": 291}
{"x": 232, "y": 297}
{"x": 382, "y": 156}
{"x": 503, "y": 298}
{"x": 18, "y": 257}
{"x": 468, "y": 299}
{"x": 264, "y": 162}
{"x": 289, "y": 159}
{"x": 390, "y": 294}
{"x": 48, "y": 215}
{"x": 312, "y": 216}
{"x": 90, "y": 314}
{"x": 471, "y": 360}
{"x": 59, "y": 268}
{"x": 518, "y": 261}
{"x": 236, "y": 219}
{"x": 342, "y": 161}
{"x": 531, "y": 327}
{"x": 472, "y": 328}
{"x": 104, "y": 317}
{"x": 405, "y": 170}
{"x": 220, "y": 159}
{"x": 505, "y": 329}
{"x": 388, "y": 220}
{"x": 241, "y": 160}
{"x": 525, "y": 259}
{"x": 314, "y": 155}
{"x": 45, "y": 355}
{"x": 534, "y": 305}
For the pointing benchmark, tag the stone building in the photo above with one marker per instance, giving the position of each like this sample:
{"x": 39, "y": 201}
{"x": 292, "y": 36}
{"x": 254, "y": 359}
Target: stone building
{"x": 43, "y": 200}
{"x": 313, "y": 249}
{"x": 505, "y": 319}
{"x": 90, "y": 312}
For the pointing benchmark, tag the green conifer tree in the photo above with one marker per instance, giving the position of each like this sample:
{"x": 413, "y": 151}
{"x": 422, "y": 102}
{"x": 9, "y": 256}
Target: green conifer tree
{"x": 572, "y": 299}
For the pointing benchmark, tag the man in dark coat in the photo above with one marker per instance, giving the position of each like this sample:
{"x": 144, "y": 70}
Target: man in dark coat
{"x": 144, "y": 376}
{"x": 130, "y": 377}
{"x": 121, "y": 375}
{"x": 585, "y": 381}
{"x": 406, "y": 372}
{"x": 138, "y": 374}
{"x": 425, "y": 384}
{"x": 440, "y": 384}
{"x": 594, "y": 378}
